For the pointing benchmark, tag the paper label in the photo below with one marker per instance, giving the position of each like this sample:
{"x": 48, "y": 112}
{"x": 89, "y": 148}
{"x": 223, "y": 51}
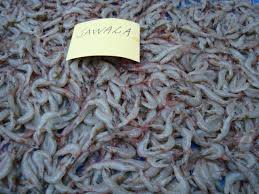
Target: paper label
{"x": 105, "y": 37}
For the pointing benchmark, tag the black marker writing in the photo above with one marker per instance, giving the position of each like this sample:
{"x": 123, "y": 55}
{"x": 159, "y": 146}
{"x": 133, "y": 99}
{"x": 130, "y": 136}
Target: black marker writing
{"x": 100, "y": 30}
{"x": 108, "y": 30}
{"x": 127, "y": 32}
{"x": 84, "y": 32}
{"x": 124, "y": 31}
{"x": 116, "y": 31}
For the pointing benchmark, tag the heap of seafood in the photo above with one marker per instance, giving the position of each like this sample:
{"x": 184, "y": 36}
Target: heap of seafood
{"x": 183, "y": 120}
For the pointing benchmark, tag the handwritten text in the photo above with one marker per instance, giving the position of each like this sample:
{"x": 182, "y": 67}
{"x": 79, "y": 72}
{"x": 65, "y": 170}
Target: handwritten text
{"x": 119, "y": 30}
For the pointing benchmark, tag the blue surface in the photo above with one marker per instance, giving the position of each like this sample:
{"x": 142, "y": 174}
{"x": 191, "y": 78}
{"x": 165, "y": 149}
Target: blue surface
{"x": 80, "y": 168}
{"x": 5, "y": 147}
{"x": 254, "y": 1}
{"x": 194, "y": 146}
{"x": 140, "y": 158}
{"x": 222, "y": 182}
{"x": 168, "y": 16}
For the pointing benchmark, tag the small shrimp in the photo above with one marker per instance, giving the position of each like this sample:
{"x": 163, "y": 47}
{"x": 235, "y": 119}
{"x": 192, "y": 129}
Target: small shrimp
{"x": 238, "y": 84}
{"x": 163, "y": 94}
{"x": 46, "y": 117}
{"x": 230, "y": 179}
{"x": 170, "y": 143}
{"x": 187, "y": 138}
{"x": 247, "y": 159}
{"x": 123, "y": 150}
{"x": 52, "y": 103}
{"x": 14, "y": 136}
{"x": 98, "y": 126}
{"x": 248, "y": 174}
{"x": 28, "y": 115}
{"x": 158, "y": 162}
{"x": 164, "y": 53}
{"x": 151, "y": 115}
{"x": 226, "y": 94}
{"x": 168, "y": 127}
{"x": 57, "y": 173}
{"x": 49, "y": 144}
{"x": 211, "y": 95}
{"x": 133, "y": 114}
{"x": 104, "y": 117}
{"x": 151, "y": 172}
{"x": 28, "y": 69}
{"x": 6, "y": 164}
{"x": 105, "y": 74}
{"x": 200, "y": 121}
{"x": 60, "y": 187}
{"x": 50, "y": 32}
{"x": 4, "y": 114}
{"x": 50, "y": 189}
{"x": 112, "y": 164}
{"x": 214, "y": 152}
{"x": 151, "y": 186}
{"x": 37, "y": 158}
{"x": 113, "y": 186}
{"x": 199, "y": 178}
{"x": 136, "y": 163}
{"x": 112, "y": 101}
{"x": 55, "y": 177}
{"x": 151, "y": 102}
{"x": 142, "y": 147}
{"x": 193, "y": 101}
{"x": 73, "y": 149}
{"x": 75, "y": 88}
{"x": 246, "y": 142}
{"x": 183, "y": 186}
{"x": 51, "y": 23}
{"x": 225, "y": 129}
{"x": 75, "y": 72}
{"x": 27, "y": 171}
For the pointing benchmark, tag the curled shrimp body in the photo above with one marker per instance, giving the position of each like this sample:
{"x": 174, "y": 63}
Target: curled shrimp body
{"x": 183, "y": 120}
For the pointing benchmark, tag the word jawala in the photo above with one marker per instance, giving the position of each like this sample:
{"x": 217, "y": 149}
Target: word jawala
{"x": 105, "y": 30}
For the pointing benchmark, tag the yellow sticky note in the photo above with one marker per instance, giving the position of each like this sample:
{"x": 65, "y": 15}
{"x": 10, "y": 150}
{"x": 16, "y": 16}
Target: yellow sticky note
{"x": 105, "y": 37}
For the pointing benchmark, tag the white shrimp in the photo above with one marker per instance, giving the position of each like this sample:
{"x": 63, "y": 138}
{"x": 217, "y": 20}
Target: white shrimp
{"x": 225, "y": 129}
{"x": 73, "y": 149}
{"x": 113, "y": 186}
{"x": 214, "y": 152}
{"x": 142, "y": 147}
{"x": 183, "y": 186}
{"x": 151, "y": 102}
{"x": 14, "y": 136}
{"x": 27, "y": 171}
{"x": 193, "y": 101}
{"x": 44, "y": 119}
{"x": 6, "y": 164}
{"x": 28, "y": 114}
{"x": 230, "y": 179}
{"x": 133, "y": 114}
{"x": 4, "y": 114}
{"x": 49, "y": 144}
{"x": 168, "y": 127}
{"x": 38, "y": 157}
{"x": 187, "y": 138}
{"x": 152, "y": 187}
{"x": 123, "y": 150}
{"x": 64, "y": 188}
{"x": 112, "y": 164}
{"x": 211, "y": 95}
